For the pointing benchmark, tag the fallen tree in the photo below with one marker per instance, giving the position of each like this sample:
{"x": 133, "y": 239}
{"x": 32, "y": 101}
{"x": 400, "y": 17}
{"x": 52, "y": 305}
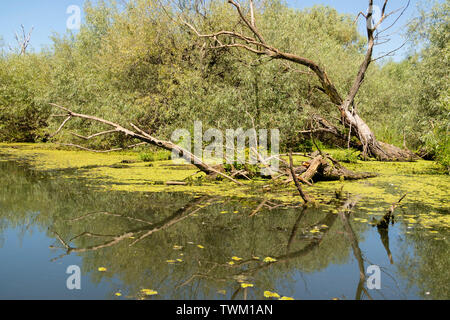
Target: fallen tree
{"x": 321, "y": 166}
{"x": 254, "y": 42}
{"x": 141, "y": 135}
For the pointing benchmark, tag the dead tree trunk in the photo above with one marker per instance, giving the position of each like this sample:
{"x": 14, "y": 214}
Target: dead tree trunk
{"x": 323, "y": 167}
{"x": 349, "y": 116}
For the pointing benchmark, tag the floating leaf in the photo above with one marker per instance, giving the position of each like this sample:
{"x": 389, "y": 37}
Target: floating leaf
{"x": 118, "y": 294}
{"x": 269, "y": 294}
{"x": 149, "y": 292}
{"x": 200, "y": 246}
{"x": 170, "y": 261}
{"x": 231, "y": 263}
{"x": 246, "y": 285}
{"x": 224, "y": 292}
{"x": 286, "y": 298}
{"x": 236, "y": 259}
{"x": 177, "y": 247}
{"x": 102, "y": 269}
{"x": 269, "y": 259}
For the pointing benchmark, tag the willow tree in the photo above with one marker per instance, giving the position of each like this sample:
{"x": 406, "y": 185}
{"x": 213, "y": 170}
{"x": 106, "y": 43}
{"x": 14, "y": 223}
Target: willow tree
{"x": 247, "y": 36}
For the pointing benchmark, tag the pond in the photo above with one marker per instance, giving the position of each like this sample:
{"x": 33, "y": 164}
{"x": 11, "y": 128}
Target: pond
{"x": 200, "y": 245}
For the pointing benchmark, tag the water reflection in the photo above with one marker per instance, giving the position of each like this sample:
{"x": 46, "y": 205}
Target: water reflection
{"x": 201, "y": 247}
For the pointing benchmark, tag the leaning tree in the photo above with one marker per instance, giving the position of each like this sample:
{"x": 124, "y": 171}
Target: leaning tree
{"x": 253, "y": 41}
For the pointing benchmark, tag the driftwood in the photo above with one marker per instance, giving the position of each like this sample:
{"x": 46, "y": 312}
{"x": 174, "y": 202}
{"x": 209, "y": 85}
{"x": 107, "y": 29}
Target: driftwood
{"x": 325, "y": 168}
{"x": 384, "y": 222}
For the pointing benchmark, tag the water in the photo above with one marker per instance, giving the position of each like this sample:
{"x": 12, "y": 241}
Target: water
{"x": 48, "y": 223}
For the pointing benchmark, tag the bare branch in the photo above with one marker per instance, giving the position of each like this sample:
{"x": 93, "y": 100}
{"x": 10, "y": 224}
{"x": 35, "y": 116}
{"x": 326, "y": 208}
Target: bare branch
{"x": 239, "y": 45}
{"x": 94, "y": 135}
{"x": 390, "y": 52}
{"x": 248, "y": 23}
{"x": 24, "y": 40}
{"x": 146, "y": 138}
{"x": 61, "y": 126}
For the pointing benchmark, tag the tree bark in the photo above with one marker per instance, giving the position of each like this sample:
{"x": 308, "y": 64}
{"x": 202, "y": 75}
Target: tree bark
{"x": 371, "y": 147}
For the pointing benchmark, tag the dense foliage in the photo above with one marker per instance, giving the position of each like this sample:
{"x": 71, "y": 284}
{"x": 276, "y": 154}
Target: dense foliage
{"x": 134, "y": 63}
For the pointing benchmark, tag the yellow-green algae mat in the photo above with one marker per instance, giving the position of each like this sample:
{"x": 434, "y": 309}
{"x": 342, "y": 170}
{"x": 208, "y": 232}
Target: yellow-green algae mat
{"x": 124, "y": 171}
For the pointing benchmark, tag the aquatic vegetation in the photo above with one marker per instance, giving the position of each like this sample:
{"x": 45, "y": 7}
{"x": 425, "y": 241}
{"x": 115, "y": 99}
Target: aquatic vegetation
{"x": 419, "y": 179}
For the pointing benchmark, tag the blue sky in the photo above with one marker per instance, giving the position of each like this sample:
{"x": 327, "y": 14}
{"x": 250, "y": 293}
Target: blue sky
{"x": 48, "y": 16}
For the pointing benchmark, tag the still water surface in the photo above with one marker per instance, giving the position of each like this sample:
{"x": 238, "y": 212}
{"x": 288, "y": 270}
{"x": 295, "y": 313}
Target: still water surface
{"x": 188, "y": 246}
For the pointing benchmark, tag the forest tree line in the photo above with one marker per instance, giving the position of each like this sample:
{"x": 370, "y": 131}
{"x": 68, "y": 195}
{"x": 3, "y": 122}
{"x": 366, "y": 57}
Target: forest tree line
{"x": 136, "y": 63}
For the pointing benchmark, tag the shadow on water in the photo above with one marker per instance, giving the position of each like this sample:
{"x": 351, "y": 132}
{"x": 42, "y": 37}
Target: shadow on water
{"x": 188, "y": 246}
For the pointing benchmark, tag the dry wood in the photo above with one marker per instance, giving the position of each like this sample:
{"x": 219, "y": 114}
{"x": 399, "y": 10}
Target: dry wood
{"x": 384, "y": 222}
{"x": 146, "y": 138}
